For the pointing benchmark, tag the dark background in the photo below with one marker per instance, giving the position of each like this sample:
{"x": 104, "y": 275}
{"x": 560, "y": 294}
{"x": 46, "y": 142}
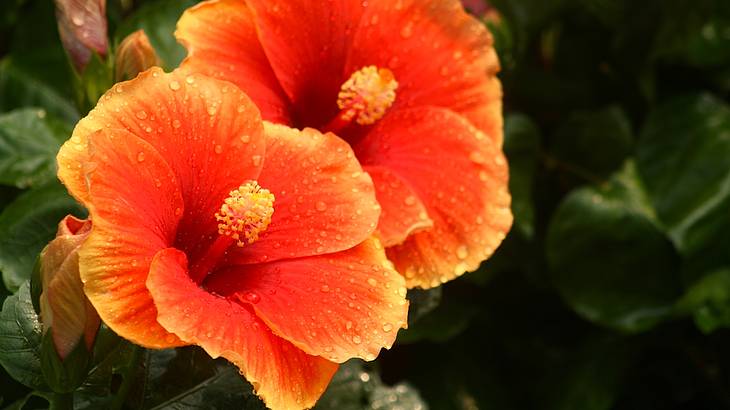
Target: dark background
{"x": 611, "y": 292}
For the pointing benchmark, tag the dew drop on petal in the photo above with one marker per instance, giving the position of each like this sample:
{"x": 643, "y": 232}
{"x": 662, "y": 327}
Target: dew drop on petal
{"x": 356, "y": 339}
{"x": 320, "y": 206}
{"x": 174, "y": 85}
{"x": 252, "y": 297}
{"x": 140, "y": 157}
{"x": 462, "y": 252}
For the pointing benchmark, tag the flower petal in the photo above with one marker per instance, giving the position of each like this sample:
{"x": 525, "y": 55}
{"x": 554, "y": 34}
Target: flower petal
{"x": 222, "y": 42}
{"x": 207, "y": 130}
{"x": 282, "y": 375}
{"x": 307, "y": 43}
{"x": 135, "y": 208}
{"x": 350, "y": 304}
{"x": 403, "y": 213}
{"x": 324, "y": 201}
{"x": 461, "y": 177}
{"x": 440, "y": 55}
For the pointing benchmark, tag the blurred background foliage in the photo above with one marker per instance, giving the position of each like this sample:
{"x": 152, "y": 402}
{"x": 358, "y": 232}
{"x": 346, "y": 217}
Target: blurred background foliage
{"x": 611, "y": 292}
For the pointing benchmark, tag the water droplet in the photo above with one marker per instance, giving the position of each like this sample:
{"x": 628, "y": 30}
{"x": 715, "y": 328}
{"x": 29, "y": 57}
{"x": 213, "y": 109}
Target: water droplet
{"x": 218, "y": 149}
{"x": 252, "y": 297}
{"x": 387, "y": 327}
{"x": 176, "y": 123}
{"x": 356, "y": 339}
{"x": 410, "y": 200}
{"x": 324, "y": 288}
{"x": 78, "y": 19}
{"x": 174, "y": 85}
{"x": 140, "y": 157}
{"x": 245, "y": 139}
{"x": 141, "y": 114}
{"x": 477, "y": 157}
{"x": 372, "y": 282}
{"x": 462, "y": 252}
{"x": 348, "y": 325}
{"x": 320, "y": 206}
{"x": 256, "y": 159}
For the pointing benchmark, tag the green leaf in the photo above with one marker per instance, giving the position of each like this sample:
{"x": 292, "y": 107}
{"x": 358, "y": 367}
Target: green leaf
{"x": 29, "y": 141}
{"x": 522, "y": 147}
{"x": 158, "y": 20}
{"x": 609, "y": 260}
{"x": 597, "y": 141}
{"x": 355, "y": 388}
{"x": 26, "y": 225}
{"x": 20, "y": 339}
{"x": 708, "y": 300}
{"x": 187, "y": 378}
{"x": 18, "y": 89}
{"x": 684, "y": 157}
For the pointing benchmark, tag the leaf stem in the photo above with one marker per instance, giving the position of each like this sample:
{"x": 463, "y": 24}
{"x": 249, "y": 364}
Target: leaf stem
{"x": 127, "y": 378}
{"x": 62, "y": 401}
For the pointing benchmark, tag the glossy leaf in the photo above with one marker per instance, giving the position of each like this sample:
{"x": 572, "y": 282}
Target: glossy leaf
{"x": 609, "y": 259}
{"x": 26, "y": 225}
{"x": 29, "y": 141}
{"x": 684, "y": 157}
{"x": 20, "y": 339}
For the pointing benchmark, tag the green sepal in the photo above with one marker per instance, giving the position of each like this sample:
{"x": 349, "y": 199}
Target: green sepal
{"x": 64, "y": 376}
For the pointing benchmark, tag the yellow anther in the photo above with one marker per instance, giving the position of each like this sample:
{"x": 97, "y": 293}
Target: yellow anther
{"x": 367, "y": 95}
{"x": 246, "y": 213}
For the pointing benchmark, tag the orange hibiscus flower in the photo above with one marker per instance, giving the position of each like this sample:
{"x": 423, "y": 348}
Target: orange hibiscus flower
{"x": 410, "y": 84}
{"x": 216, "y": 229}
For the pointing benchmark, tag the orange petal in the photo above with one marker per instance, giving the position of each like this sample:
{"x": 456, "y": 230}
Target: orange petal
{"x": 440, "y": 55}
{"x": 403, "y": 212}
{"x": 459, "y": 174}
{"x": 282, "y": 375}
{"x": 340, "y": 306}
{"x": 133, "y": 219}
{"x": 207, "y": 130}
{"x": 221, "y": 39}
{"x": 307, "y": 43}
{"x": 324, "y": 201}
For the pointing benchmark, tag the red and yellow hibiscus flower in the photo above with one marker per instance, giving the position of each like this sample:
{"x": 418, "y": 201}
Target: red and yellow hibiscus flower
{"x": 213, "y": 228}
{"x": 410, "y": 84}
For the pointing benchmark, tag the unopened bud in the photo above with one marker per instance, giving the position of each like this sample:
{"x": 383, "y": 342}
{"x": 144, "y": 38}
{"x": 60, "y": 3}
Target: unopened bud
{"x": 82, "y": 25}
{"x": 65, "y": 310}
{"x": 134, "y": 55}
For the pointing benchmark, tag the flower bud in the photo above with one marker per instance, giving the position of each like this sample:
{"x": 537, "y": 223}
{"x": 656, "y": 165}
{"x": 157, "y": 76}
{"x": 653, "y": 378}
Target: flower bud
{"x": 134, "y": 55}
{"x": 82, "y": 26}
{"x": 65, "y": 310}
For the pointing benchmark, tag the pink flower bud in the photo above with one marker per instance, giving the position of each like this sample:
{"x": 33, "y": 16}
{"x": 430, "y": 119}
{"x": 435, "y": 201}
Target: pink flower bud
{"x": 83, "y": 28}
{"x": 65, "y": 310}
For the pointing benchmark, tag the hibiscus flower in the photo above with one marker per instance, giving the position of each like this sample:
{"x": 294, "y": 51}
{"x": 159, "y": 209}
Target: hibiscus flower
{"x": 410, "y": 84}
{"x": 212, "y": 228}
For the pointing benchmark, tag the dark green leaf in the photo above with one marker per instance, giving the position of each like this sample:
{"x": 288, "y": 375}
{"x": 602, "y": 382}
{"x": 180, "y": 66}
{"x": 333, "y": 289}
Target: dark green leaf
{"x": 355, "y": 388}
{"x": 20, "y": 89}
{"x": 29, "y": 142}
{"x": 608, "y": 258}
{"x": 684, "y": 157}
{"x": 187, "y": 378}
{"x": 27, "y": 225}
{"x": 20, "y": 339}
{"x": 709, "y": 301}
{"x": 595, "y": 141}
{"x": 522, "y": 146}
{"x": 158, "y": 19}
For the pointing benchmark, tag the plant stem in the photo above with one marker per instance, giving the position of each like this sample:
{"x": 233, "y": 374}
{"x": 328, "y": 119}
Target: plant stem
{"x": 62, "y": 401}
{"x": 127, "y": 378}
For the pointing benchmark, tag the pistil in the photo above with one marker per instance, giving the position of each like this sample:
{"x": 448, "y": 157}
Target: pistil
{"x": 364, "y": 98}
{"x": 244, "y": 215}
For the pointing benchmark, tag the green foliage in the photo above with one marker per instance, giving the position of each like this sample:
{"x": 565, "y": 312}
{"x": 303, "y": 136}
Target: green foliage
{"x": 20, "y": 339}
{"x": 29, "y": 142}
{"x": 27, "y": 225}
{"x": 612, "y": 290}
